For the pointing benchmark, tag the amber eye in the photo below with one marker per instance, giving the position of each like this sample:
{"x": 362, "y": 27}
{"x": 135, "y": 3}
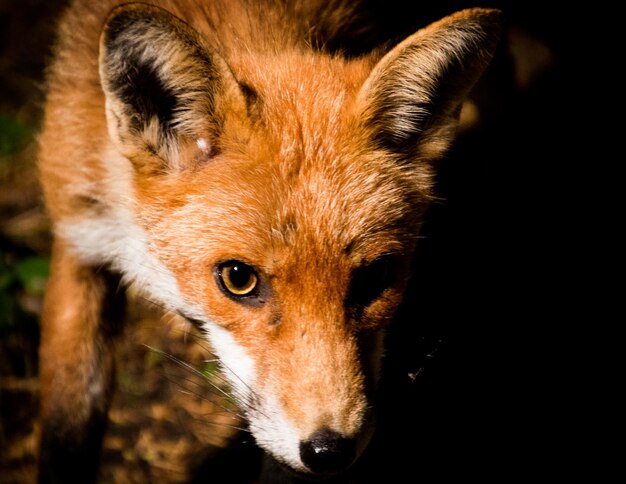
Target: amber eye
{"x": 237, "y": 278}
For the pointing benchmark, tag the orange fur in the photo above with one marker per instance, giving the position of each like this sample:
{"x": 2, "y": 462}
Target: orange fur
{"x": 180, "y": 137}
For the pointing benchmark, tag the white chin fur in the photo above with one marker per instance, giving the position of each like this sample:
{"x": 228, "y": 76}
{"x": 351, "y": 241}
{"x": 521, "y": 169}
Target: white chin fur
{"x": 275, "y": 434}
{"x": 267, "y": 422}
{"x": 237, "y": 366}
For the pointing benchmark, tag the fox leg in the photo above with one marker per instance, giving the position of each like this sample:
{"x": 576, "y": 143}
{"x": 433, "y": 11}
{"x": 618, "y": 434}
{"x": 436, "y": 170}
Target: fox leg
{"x": 80, "y": 318}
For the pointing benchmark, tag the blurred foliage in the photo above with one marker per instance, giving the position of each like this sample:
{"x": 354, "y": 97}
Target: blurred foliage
{"x": 21, "y": 291}
{"x": 209, "y": 369}
{"x": 13, "y": 135}
{"x": 23, "y": 264}
{"x": 154, "y": 357}
{"x": 32, "y": 274}
{"x": 22, "y": 273}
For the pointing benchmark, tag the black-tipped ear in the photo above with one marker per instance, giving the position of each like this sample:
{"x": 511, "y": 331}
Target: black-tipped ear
{"x": 412, "y": 98}
{"x": 165, "y": 90}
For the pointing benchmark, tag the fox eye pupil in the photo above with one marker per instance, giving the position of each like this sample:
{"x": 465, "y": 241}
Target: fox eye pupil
{"x": 237, "y": 278}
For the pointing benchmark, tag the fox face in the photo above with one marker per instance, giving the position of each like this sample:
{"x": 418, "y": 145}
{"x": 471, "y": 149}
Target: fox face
{"x": 274, "y": 198}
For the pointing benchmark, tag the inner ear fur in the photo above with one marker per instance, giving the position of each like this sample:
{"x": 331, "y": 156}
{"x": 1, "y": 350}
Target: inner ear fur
{"x": 411, "y": 101}
{"x": 164, "y": 88}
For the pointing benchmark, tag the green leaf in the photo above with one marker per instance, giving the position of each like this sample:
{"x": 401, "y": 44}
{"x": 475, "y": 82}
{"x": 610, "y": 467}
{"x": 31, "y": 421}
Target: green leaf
{"x": 209, "y": 369}
{"x": 32, "y": 273}
{"x": 13, "y": 135}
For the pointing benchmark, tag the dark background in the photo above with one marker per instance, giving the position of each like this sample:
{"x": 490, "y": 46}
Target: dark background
{"x": 485, "y": 378}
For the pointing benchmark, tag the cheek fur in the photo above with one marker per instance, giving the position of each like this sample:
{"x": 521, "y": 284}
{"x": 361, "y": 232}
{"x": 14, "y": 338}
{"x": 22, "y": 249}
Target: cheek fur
{"x": 115, "y": 240}
{"x": 238, "y": 366}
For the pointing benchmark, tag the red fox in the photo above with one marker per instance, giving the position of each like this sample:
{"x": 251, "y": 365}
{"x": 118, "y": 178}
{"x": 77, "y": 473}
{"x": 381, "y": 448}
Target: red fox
{"x": 217, "y": 157}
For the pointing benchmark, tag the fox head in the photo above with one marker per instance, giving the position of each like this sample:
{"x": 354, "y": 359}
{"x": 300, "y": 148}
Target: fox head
{"x": 278, "y": 196}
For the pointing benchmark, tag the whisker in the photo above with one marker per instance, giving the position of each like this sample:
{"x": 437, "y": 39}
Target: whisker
{"x": 246, "y": 399}
{"x": 188, "y": 367}
{"x": 244, "y": 394}
{"x": 202, "y": 396}
{"x": 243, "y": 400}
{"x": 212, "y": 386}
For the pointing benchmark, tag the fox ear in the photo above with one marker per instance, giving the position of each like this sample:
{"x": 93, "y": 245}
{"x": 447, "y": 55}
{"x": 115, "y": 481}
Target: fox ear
{"x": 412, "y": 98}
{"x": 168, "y": 97}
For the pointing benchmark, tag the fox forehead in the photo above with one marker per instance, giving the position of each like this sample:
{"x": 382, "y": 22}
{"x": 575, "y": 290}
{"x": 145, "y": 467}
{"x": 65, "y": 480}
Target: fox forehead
{"x": 303, "y": 175}
{"x": 246, "y": 209}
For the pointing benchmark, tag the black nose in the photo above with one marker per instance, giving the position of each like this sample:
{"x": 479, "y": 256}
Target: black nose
{"x": 327, "y": 452}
